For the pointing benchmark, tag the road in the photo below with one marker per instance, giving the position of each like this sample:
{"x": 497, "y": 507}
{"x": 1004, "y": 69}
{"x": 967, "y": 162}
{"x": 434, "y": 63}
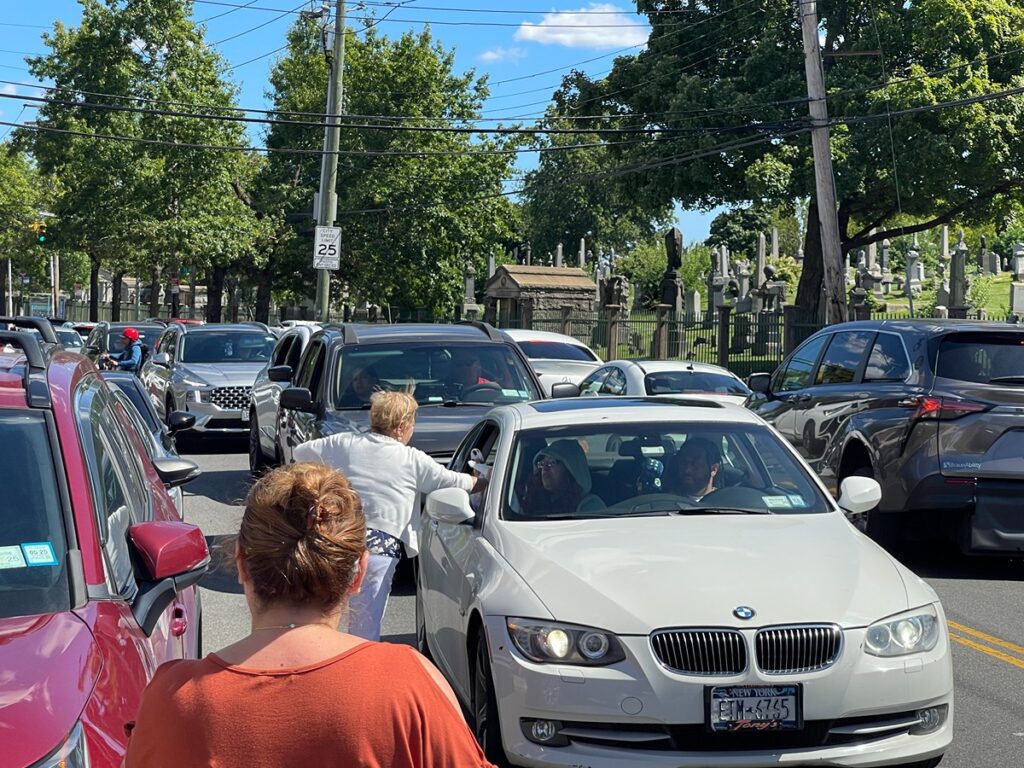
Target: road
{"x": 982, "y": 599}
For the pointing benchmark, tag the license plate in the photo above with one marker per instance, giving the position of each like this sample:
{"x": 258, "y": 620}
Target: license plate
{"x": 754, "y": 708}
{"x": 245, "y": 417}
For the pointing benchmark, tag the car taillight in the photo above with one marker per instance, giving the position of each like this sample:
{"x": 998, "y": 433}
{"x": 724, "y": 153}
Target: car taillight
{"x": 946, "y": 408}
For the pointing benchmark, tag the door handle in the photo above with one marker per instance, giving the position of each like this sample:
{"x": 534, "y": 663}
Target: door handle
{"x": 179, "y": 621}
{"x": 791, "y": 399}
{"x": 805, "y": 397}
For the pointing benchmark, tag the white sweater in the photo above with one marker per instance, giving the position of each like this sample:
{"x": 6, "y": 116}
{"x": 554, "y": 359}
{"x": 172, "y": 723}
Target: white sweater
{"x": 388, "y": 476}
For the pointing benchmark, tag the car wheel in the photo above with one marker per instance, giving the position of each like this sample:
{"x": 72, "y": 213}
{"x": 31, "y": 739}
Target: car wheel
{"x": 421, "y": 626}
{"x": 257, "y": 461}
{"x": 485, "y": 706}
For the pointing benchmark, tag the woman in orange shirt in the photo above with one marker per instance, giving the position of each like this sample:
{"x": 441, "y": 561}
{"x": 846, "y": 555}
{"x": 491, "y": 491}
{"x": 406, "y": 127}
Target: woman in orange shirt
{"x": 296, "y": 691}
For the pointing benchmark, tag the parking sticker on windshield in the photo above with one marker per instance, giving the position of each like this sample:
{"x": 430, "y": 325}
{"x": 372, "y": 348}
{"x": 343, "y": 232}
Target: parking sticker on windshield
{"x": 11, "y": 557}
{"x": 796, "y": 501}
{"x": 777, "y": 502}
{"x": 39, "y": 553}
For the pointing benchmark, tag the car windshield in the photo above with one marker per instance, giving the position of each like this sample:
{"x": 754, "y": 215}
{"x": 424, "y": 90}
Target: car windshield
{"x": 556, "y": 350}
{"x": 685, "y": 468}
{"x": 69, "y": 339}
{"x": 982, "y": 358}
{"x": 33, "y": 578}
{"x": 148, "y": 336}
{"x": 693, "y": 382}
{"x": 435, "y": 373}
{"x": 226, "y": 347}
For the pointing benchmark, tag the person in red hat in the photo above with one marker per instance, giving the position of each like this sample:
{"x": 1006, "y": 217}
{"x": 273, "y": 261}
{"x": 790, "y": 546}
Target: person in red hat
{"x": 130, "y": 357}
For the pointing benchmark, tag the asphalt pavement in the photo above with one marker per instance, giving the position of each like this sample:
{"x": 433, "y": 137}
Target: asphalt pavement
{"x": 982, "y": 599}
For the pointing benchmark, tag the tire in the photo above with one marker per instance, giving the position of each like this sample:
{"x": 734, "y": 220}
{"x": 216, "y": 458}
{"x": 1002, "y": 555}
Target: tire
{"x": 257, "y": 461}
{"x": 485, "y": 706}
{"x": 422, "y": 645}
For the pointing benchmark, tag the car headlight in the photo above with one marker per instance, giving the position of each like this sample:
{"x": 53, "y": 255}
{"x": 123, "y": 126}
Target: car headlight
{"x": 915, "y": 631}
{"x": 549, "y": 642}
{"x": 71, "y": 754}
{"x": 187, "y": 382}
{"x": 194, "y": 396}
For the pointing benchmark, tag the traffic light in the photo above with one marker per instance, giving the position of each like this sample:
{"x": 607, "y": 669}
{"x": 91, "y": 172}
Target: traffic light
{"x": 39, "y": 228}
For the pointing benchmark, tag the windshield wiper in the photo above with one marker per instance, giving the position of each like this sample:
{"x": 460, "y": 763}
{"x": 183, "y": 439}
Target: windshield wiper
{"x": 364, "y": 407}
{"x": 1007, "y": 380}
{"x": 727, "y": 511}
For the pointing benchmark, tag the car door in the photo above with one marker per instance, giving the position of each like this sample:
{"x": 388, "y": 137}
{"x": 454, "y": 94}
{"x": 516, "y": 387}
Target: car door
{"x": 452, "y": 571}
{"x": 834, "y": 395}
{"x": 157, "y": 376}
{"x": 788, "y": 385}
{"x": 265, "y": 392}
{"x": 298, "y": 427}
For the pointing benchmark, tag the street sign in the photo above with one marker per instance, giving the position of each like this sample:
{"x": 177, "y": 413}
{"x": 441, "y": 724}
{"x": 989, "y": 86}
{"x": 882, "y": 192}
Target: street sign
{"x": 25, "y": 279}
{"x": 175, "y": 285}
{"x": 327, "y": 248}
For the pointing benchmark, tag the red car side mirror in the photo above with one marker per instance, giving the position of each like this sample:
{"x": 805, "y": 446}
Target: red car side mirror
{"x": 172, "y": 556}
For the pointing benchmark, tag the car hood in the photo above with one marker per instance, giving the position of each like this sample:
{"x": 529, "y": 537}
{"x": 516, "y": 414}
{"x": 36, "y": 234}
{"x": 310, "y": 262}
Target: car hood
{"x": 221, "y": 374}
{"x": 439, "y": 428}
{"x": 635, "y": 575}
{"x": 48, "y": 667}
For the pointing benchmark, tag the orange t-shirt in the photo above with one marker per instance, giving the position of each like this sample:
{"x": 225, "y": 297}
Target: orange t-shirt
{"x": 373, "y": 706}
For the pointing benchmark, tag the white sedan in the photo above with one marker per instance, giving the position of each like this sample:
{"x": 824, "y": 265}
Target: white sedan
{"x": 660, "y": 378}
{"x": 654, "y": 583}
{"x": 555, "y": 357}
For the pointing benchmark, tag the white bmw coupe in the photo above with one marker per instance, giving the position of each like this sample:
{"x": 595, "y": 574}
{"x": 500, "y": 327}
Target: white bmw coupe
{"x": 668, "y": 584}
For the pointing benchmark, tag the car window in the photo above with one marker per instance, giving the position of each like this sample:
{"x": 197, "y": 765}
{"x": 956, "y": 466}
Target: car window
{"x": 982, "y": 358}
{"x": 556, "y": 350}
{"x": 33, "y": 542}
{"x": 169, "y": 344}
{"x": 668, "y": 467}
{"x": 797, "y": 373}
{"x": 95, "y": 337}
{"x": 435, "y": 373}
{"x": 888, "y": 360}
{"x": 311, "y": 361}
{"x": 69, "y": 339}
{"x": 614, "y": 383}
{"x": 694, "y": 382}
{"x": 843, "y": 357}
{"x": 591, "y": 385}
{"x": 148, "y": 336}
{"x": 294, "y": 353}
{"x": 145, "y": 436}
{"x": 281, "y": 351}
{"x": 227, "y": 347}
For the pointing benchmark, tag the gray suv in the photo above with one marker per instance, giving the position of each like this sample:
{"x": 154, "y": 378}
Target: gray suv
{"x": 208, "y": 371}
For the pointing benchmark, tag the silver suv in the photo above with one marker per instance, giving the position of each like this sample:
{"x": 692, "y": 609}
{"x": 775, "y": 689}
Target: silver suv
{"x": 208, "y": 370}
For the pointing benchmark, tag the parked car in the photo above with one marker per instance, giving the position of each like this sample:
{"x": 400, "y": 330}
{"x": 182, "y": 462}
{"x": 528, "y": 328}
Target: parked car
{"x": 106, "y": 338}
{"x": 98, "y": 572}
{"x": 666, "y": 378}
{"x": 748, "y": 625}
{"x": 930, "y": 409}
{"x": 555, "y": 357}
{"x": 456, "y": 372}
{"x": 69, "y": 339}
{"x": 266, "y": 393}
{"x": 297, "y": 323}
{"x": 208, "y": 371}
{"x": 129, "y": 391}
{"x": 83, "y": 328}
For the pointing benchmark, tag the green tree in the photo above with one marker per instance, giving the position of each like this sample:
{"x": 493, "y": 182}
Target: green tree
{"x": 20, "y": 201}
{"x": 739, "y": 114}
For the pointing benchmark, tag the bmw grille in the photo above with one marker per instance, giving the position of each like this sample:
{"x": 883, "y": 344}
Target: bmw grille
{"x": 788, "y": 650}
{"x": 701, "y": 651}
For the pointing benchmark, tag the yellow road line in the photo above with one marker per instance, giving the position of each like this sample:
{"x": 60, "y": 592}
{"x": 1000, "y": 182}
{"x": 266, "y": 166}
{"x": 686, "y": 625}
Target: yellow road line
{"x": 990, "y": 639}
{"x": 990, "y": 651}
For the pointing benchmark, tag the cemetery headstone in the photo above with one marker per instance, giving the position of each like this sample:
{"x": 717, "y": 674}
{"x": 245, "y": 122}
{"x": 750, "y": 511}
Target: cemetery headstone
{"x": 1017, "y": 286}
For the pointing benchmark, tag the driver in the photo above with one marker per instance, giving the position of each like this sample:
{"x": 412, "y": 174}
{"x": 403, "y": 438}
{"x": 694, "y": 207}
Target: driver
{"x": 466, "y": 369}
{"x": 361, "y": 387}
{"x": 694, "y": 469}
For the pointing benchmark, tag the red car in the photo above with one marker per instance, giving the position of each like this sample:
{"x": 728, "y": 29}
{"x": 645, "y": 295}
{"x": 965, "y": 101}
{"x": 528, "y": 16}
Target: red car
{"x": 98, "y": 572}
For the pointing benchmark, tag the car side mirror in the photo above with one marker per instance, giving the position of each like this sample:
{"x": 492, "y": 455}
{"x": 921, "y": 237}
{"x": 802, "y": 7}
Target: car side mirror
{"x": 450, "y": 505}
{"x": 298, "y": 399}
{"x": 565, "y": 389}
{"x": 858, "y": 495}
{"x": 176, "y": 472}
{"x": 280, "y": 373}
{"x": 179, "y": 420}
{"x": 171, "y": 556}
{"x": 161, "y": 359}
{"x": 759, "y": 383}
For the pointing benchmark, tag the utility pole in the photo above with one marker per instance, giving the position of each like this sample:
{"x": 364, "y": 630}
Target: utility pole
{"x": 834, "y": 282}
{"x": 329, "y": 165}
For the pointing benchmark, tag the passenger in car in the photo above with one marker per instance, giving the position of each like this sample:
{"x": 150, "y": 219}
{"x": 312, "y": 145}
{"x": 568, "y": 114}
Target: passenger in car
{"x": 361, "y": 387}
{"x": 560, "y": 483}
{"x": 694, "y": 468}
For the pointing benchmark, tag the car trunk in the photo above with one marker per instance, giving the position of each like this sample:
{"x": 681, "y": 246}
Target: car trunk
{"x": 979, "y": 396}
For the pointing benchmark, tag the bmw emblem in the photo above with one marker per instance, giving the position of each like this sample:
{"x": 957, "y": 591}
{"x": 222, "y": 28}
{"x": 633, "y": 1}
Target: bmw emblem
{"x": 743, "y": 612}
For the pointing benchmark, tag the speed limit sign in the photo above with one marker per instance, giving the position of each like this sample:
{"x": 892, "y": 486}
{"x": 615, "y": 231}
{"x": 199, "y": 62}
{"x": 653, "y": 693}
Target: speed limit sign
{"x": 327, "y": 248}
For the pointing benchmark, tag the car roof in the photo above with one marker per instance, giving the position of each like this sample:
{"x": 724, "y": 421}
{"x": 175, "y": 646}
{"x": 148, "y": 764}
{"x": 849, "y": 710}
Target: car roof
{"x": 522, "y": 334}
{"x": 925, "y": 325}
{"x": 367, "y": 333}
{"x": 612, "y": 410}
{"x": 208, "y": 327}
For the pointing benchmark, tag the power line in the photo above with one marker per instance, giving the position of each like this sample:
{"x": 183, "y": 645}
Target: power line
{"x": 507, "y": 11}
{"x": 258, "y": 26}
{"x": 234, "y": 9}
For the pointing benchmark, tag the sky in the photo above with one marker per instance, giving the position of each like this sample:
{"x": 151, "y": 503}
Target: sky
{"x": 524, "y": 46}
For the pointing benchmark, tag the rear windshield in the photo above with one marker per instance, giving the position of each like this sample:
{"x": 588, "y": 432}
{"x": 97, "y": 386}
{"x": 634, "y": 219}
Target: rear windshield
{"x": 556, "y": 350}
{"x": 693, "y": 382}
{"x": 982, "y": 358}
{"x": 32, "y": 541}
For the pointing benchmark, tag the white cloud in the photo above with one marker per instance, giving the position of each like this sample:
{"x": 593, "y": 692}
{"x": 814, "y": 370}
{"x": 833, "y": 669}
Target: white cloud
{"x": 9, "y": 89}
{"x": 610, "y": 27}
{"x": 503, "y": 54}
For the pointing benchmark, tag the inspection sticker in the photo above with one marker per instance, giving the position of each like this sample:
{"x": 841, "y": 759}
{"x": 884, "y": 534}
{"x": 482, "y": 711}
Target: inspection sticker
{"x": 39, "y": 553}
{"x": 11, "y": 557}
{"x": 777, "y": 502}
